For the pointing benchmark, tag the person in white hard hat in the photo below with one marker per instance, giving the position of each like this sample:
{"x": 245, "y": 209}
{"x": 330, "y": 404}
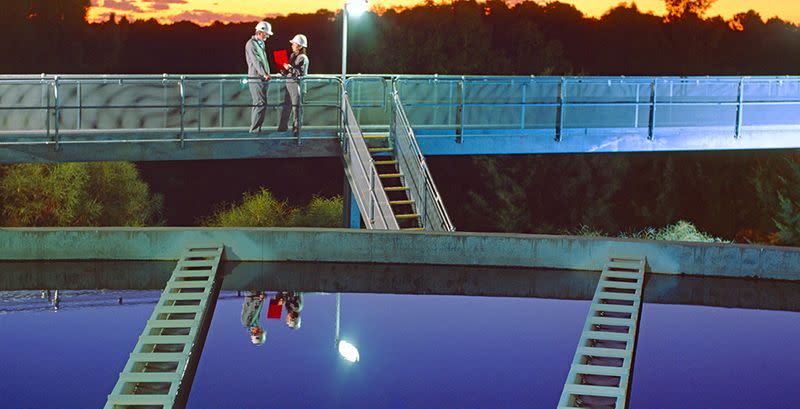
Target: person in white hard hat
{"x": 258, "y": 72}
{"x": 296, "y": 68}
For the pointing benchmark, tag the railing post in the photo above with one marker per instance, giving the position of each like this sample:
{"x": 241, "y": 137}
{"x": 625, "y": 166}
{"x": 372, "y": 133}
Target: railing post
{"x": 739, "y": 110}
{"x": 80, "y": 104}
{"x": 199, "y": 106}
{"x": 424, "y": 195}
{"x": 183, "y": 108}
{"x": 46, "y": 105}
{"x": 524, "y": 102}
{"x": 221, "y": 103}
{"x": 652, "y": 122}
{"x": 560, "y": 112}
{"x": 371, "y": 193}
{"x": 636, "y": 114}
{"x": 57, "y": 112}
{"x": 462, "y": 86}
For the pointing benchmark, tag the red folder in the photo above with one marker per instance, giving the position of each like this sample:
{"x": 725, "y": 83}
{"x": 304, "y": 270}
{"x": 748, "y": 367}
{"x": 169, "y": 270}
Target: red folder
{"x": 274, "y": 310}
{"x": 281, "y": 57}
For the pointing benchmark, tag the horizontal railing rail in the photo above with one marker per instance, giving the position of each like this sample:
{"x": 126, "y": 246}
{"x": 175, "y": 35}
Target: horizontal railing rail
{"x": 373, "y": 203}
{"x": 411, "y": 161}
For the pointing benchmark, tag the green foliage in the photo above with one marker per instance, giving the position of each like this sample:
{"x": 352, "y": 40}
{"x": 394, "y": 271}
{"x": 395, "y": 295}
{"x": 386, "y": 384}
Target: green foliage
{"x": 787, "y": 218}
{"x": 76, "y": 194}
{"x": 262, "y": 209}
{"x": 320, "y": 212}
{"x": 680, "y": 231}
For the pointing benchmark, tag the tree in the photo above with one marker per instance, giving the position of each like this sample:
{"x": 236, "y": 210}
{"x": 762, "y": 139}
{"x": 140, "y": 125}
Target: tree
{"x": 76, "y": 194}
{"x": 681, "y": 8}
{"x": 787, "y": 219}
{"x": 262, "y": 209}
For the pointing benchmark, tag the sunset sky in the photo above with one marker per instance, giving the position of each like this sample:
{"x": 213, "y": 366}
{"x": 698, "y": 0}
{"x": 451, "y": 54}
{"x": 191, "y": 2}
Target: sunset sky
{"x": 207, "y": 11}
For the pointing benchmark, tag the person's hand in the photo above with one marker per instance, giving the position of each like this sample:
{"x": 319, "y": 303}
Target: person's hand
{"x": 286, "y": 66}
{"x": 266, "y": 77}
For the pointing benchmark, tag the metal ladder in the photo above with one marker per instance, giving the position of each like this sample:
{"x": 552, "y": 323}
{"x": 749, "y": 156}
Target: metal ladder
{"x": 600, "y": 374}
{"x": 161, "y": 368}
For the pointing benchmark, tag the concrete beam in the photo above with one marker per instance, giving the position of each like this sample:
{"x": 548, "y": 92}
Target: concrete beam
{"x": 425, "y": 248}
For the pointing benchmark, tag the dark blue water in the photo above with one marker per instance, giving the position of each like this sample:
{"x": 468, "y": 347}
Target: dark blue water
{"x": 416, "y": 351}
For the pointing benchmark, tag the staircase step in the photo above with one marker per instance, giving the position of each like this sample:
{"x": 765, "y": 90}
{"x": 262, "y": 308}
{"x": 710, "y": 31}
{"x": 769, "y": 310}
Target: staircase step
{"x": 395, "y": 189}
{"x": 375, "y": 136}
{"x": 401, "y": 202}
{"x": 407, "y": 216}
{"x": 390, "y": 175}
{"x": 378, "y": 150}
{"x": 385, "y": 162}
{"x": 413, "y": 228}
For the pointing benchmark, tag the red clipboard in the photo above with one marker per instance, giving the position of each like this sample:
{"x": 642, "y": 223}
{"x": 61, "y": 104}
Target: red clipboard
{"x": 281, "y": 57}
{"x": 274, "y": 310}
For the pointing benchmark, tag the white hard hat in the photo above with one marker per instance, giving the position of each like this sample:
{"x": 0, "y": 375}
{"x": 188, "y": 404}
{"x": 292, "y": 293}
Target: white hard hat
{"x": 300, "y": 40}
{"x": 265, "y": 27}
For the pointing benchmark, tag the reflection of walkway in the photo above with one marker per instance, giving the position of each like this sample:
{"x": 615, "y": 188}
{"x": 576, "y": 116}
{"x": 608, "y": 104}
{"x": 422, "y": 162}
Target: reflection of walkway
{"x": 39, "y": 301}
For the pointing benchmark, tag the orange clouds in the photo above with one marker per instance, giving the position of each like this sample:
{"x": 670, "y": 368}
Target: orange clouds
{"x": 207, "y": 11}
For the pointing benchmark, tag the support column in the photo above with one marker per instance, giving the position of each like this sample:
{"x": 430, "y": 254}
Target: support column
{"x": 352, "y": 216}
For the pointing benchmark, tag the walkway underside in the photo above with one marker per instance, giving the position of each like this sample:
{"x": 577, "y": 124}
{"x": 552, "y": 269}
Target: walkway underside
{"x": 161, "y": 145}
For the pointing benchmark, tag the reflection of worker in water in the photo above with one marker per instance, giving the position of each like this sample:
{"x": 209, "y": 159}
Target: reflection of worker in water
{"x": 253, "y": 302}
{"x": 293, "y": 301}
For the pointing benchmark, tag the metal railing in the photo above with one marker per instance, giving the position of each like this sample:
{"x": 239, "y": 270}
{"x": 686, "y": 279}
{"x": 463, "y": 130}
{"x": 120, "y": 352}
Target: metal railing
{"x": 418, "y": 178}
{"x": 51, "y": 106}
{"x": 363, "y": 176}
{"x": 510, "y": 105}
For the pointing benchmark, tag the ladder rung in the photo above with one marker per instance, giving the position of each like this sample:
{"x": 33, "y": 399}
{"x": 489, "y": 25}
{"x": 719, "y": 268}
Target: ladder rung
{"x": 158, "y": 356}
{"x": 193, "y": 273}
{"x": 140, "y": 400}
{"x": 629, "y": 265}
{"x": 166, "y": 339}
{"x": 390, "y": 175}
{"x": 604, "y": 352}
{"x": 395, "y": 189}
{"x": 401, "y": 202}
{"x": 178, "y": 309}
{"x": 195, "y": 263}
{"x": 630, "y": 309}
{"x": 138, "y": 377}
{"x": 617, "y": 296}
{"x": 612, "y": 321}
{"x": 173, "y": 323}
{"x": 376, "y": 150}
{"x": 606, "y": 336}
{"x": 620, "y": 285}
{"x": 201, "y": 253}
{"x": 622, "y": 274}
{"x": 407, "y": 216}
{"x": 189, "y": 284}
{"x": 592, "y": 390}
{"x": 600, "y": 370}
{"x": 413, "y": 228}
{"x": 385, "y": 162}
{"x": 184, "y": 296}
{"x": 375, "y": 136}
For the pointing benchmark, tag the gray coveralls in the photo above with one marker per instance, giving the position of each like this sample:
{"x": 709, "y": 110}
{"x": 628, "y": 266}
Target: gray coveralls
{"x": 291, "y": 101}
{"x": 257, "y": 66}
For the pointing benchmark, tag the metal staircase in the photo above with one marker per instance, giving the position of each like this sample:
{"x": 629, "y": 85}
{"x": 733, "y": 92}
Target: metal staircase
{"x": 600, "y": 374}
{"x": 160, "y": 370}
{"x": 394, "y": 181}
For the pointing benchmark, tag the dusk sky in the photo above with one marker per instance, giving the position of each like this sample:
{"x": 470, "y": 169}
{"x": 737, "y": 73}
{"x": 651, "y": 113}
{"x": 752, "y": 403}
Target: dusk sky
{"x": 207, "y": 11}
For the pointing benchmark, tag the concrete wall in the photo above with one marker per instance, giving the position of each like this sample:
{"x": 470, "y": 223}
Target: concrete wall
{"x": 362, "y": 246}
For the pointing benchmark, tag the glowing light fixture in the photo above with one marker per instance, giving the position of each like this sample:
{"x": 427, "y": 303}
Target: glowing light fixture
{"x": 356, "y": 8}
{"x": 348, "y": 351}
